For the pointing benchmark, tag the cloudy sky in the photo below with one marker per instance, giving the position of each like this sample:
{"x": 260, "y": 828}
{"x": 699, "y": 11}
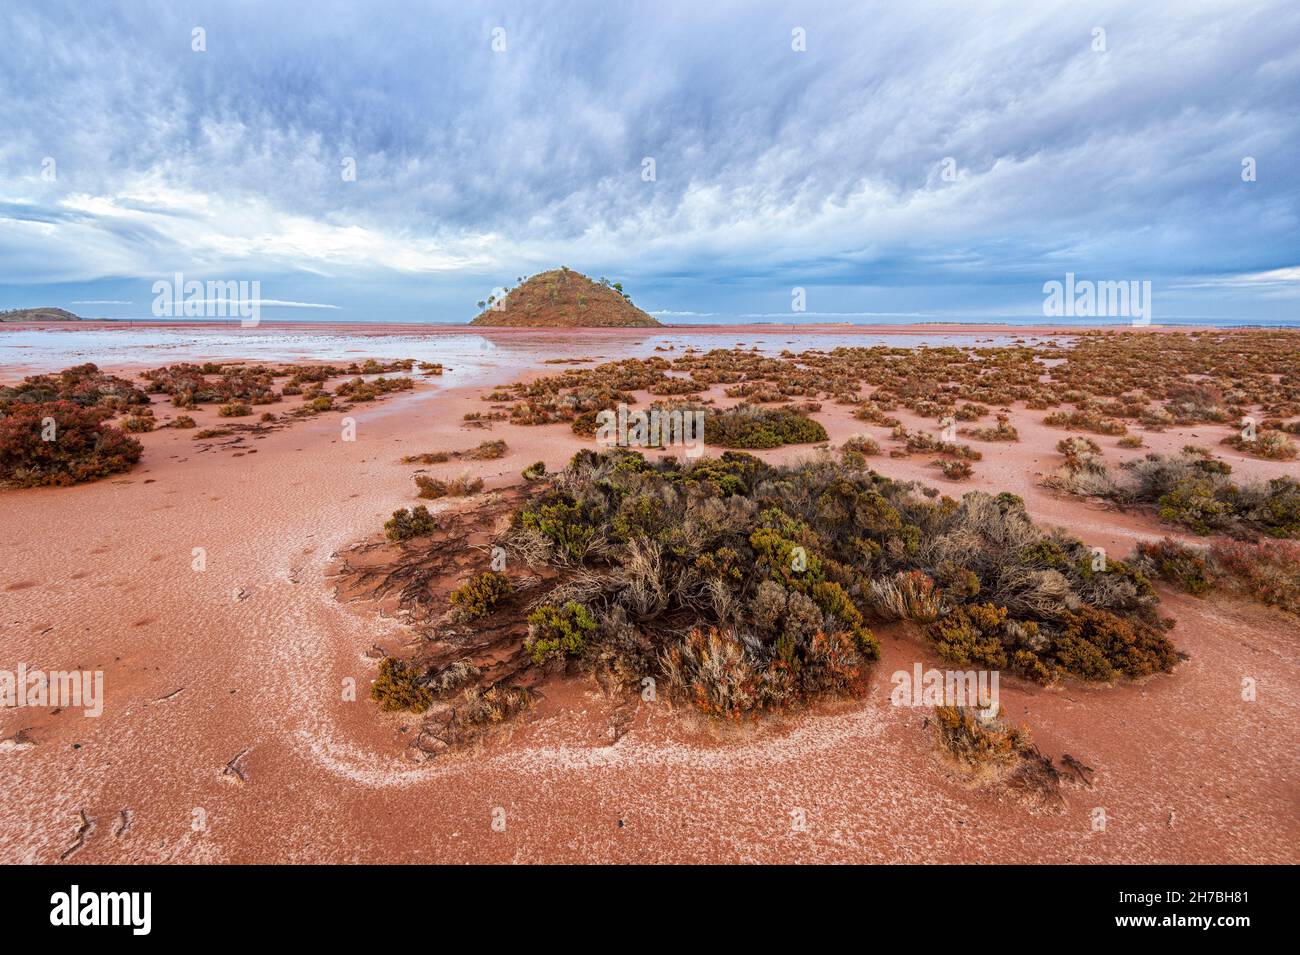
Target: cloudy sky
{"x": 917, "y": 161}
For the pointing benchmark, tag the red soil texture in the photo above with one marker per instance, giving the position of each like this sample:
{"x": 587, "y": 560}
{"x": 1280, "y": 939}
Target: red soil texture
{"x": 227, "y": 734}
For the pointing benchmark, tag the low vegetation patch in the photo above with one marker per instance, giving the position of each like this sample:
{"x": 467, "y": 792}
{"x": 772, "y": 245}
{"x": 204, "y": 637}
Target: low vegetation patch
{"x": 1192, "y": 489}
{"x": 404, "y": 524}
{"x": 749, "y": 426}
{"x": 750, "y": 587}
{"x": 1267, "y": 571}
{"x": 58, "y": 443}
{"x": 478, "y": 596}
{"x": 433, "y": 488}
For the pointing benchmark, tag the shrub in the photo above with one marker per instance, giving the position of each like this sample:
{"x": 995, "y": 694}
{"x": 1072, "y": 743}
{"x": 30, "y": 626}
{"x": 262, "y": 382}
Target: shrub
{"x": 462, "y": 486}
{"x": 182, "y": 421}
{"x": 82, "y": 385}
{"x": 428, "y": 457}
{"x": 1273, "y": 445}
{"x": 1085, "y": 421}
{"x": 404, "y": 524}
{"x": 1193, "y": 489}
{"x": 748, "y": 426}
{"x": 1177, "y": 563}
{"x": 1267, "y": 571}
{"x": 399, "y": 688}
{"x": 82, "y": 446}
{"x": 535, "y": 471}
{"x": 747, "y": 587}
{"x": 235, "y": 409}
{"x": 1130, "y": 441}
{"x": 855, "y": 450}
{"x": 479, "y": 595}
{"x": 1098, "y": 645}
{"x": 487, "y": 451}
{"x": 563, "y": 523}
{"x": 711, "y": 667}
{"x": 486, "y": 707}
{"x": 976, "y": 742}
{"x": 956, "y": 470}
{"x": 910, "y": 595}
{"x": 1003, "y": 432}
{"x": 138, "y": 424}
{"x": 556, "y": 632}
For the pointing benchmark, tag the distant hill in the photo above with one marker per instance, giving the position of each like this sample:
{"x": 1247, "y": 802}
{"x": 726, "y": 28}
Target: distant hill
{"x": 38, "y": 315}
{"x": 562, "y": 298}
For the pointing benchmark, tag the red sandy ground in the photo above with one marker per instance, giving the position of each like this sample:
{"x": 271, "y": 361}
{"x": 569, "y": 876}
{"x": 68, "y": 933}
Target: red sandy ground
{"x": 98, "y": 577}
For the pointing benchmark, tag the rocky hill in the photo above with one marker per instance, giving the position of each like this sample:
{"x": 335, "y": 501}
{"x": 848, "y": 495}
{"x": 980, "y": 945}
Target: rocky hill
{"x": 562, "y": 298}
{"x": 38, "y": 315}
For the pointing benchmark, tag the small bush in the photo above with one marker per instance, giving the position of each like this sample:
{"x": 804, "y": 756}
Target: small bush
{"x": 1267, "y": 571}
{"x": 487, "y": 451}
{"x": 535, "y": 471}
{"x": 404, "y": 524}
{"x": 1085, "y": 421}
{"x": 910, "y": 595}
{"x": 479, "y": 595}
{"x": 1272, "y": 445}
{"x": 558, "y": 632}
{"x": 428, "y": 457}
{"x": 854, "y": 451}
{"x": 1003, "y": 432}
{"x": 235, "y": 409}
{"x": 1097, "y": 645}
{"x": 1177, "y": 563}
{"x": 433, "y": 488}
{"x": 82, "y": 446}
{"x": 956, "y": 470}
{"x": 398, "y": 688}
{"x": 183, "y": 421}
{"x": 749, "y": 426}
{"x": 975, "y": 742}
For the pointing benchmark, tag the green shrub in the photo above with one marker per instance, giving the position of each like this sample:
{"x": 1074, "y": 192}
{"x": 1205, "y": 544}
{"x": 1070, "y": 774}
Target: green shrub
{"x": 398, "y": 687}
{"x": 562, "y": 522}
{"x": 558, "y": 632}
{"x": 479, "y": 595}
{"x": 535, "y": 471}
{"x": 1177, "y": 563}
{"x": 404, "y": 524}
{"x": 748, "y": 426}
